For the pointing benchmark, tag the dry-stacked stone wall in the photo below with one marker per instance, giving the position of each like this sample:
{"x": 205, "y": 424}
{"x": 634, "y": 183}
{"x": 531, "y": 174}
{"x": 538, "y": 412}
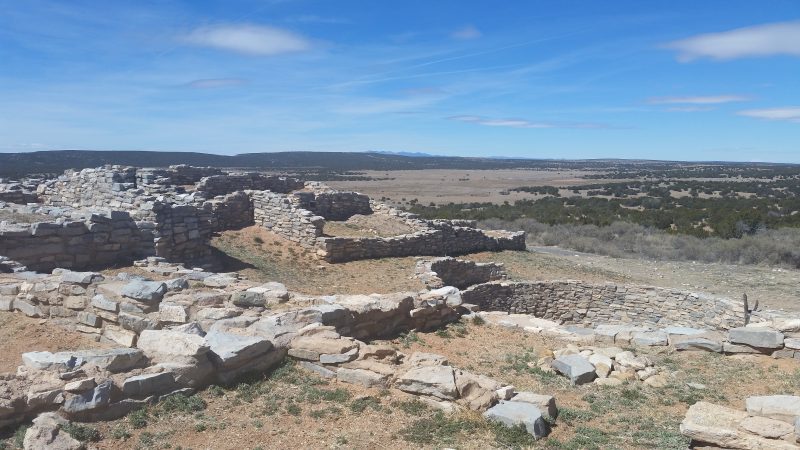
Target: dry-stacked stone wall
{"x": 180, "y": 232}
{"x": 334, "y": 205}
{"x": 230, "y": 212}
{"x": 101, "y": 187}
{"x": 225, "y": 184}
{"x": 179, "y": 175}
{"x": 280, "y": 214}
{"x": 577, "y": 302}
{"x": 441, "y": 239}
{"x": 440, "y": 272}
{"x": 98, "y": 241}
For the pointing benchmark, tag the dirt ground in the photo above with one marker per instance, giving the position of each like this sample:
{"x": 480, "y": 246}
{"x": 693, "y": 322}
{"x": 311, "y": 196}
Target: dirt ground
{"x": 20, "y": 334}
{"x": 373, "y": 225}
{"x": 458, "y": 186}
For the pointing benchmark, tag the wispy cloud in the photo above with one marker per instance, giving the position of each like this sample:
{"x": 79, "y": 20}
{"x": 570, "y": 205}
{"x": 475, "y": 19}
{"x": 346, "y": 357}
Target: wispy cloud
{"x": 249, "y": 39}
{"x": 780, "y": 38}
{"x": 788, "y": 113}
{"x": 699, "y": 100}
{"x": 310, "y": 18}
{"x": 214, "y": 83}
{"x": 466, "y": 33}
{"x": 690, "y": 108}
{"x": 522, "y": 123}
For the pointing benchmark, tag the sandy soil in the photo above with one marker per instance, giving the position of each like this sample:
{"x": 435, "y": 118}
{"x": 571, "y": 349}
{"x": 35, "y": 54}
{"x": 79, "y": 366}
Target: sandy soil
{"x": 20, "y": 334}
{"x": 373, "y": 225}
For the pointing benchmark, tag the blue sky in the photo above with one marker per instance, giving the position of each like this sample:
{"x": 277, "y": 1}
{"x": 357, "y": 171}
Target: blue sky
{"x": 688, "y": 80}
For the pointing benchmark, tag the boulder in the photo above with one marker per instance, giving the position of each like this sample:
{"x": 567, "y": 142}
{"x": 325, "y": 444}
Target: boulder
{"x": 575, "y": 367}
{"x": 545, "y": 403}
{"x": 513, "y": 414}
{"x": 47, "y": 433}
{"x": 779, "y": 407}
{"x": 756, "y": 337}
{"x": 144, "y": 291}
{"x": 476, "y": 392}
{"x": 437, "y": 381}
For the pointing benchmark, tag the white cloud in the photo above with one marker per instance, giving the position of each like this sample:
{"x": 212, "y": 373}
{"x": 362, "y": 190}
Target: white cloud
{"x": 780, "y": 38}
{"x": 466, "y": 33}
{"x": 310, "y": 18}
{"x": 703, "y": 100}
{"x": 690, "y": 108}
{"x": 213, "y": 83}
{"x": 521, "y": 123}
{"x": 249, "y": 39}
{"x": 788, "y": 113}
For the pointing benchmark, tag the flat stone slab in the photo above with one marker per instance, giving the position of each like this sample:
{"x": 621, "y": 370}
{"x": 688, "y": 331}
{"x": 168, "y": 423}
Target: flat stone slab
{"x": 148, "y": 384}
{"x": 756, "y": 337}
{"x": 437, "y": 381}
{"x": 779, "y": 407}
{"x": 361, "y": 377}
{"x": 575, "y": 367}
{"x": 113, "y": 359}
{"x": 721, "y": 426}
{"x": 708, "y": 342}
{"x": 230, "y": 350}
{"x": 649, "y": 338}
{"x": 144, "y": 291}
{"x": 513, "y": 413}
{"x": 545, "y": 403}
{"x": 169, "y": 343}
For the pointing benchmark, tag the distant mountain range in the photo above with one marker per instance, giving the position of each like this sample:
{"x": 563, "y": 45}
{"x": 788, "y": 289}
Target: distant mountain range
{"x": 14, "y": 165}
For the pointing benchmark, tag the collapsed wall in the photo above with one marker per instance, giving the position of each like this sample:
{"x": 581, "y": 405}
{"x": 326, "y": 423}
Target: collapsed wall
{"x": 578, "y": 302}
{"x": 447, "y": 271}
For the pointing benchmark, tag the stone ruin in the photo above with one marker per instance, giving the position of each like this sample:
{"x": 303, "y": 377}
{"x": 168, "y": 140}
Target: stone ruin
{"x": 200, "y": 327}
{"x": 113, "y": 215}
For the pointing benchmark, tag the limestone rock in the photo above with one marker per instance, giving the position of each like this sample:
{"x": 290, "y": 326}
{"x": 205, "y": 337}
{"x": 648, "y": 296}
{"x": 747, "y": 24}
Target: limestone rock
{"x": 545, "y": 403}
{"x": 427, "y": 359}
{"x": 768, "y": 428}
{"x": 168, "y": 345}
{"x": 229, "y": 350}
{"x": 756, "y": 337}
{"x": 144, "y": 291}
{"x": 437, "y": 381}
{"x": 513, "y": 413}
{"x": 361, "y": 377}
{"x": 720, "y": 426}
{"x": 575, "y": 367}
{"x": 779, "y": 407}
{"x": 46, "y": 433}
{"x": 148, "y": 384}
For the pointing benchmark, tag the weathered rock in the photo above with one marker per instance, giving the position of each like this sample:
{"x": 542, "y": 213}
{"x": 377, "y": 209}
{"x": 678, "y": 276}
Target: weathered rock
{"x": 437, "y": 381}
{"x": 628, "y": 359}
{"x": 148, "y": 384}
{"x": 545, "y": 403}
{"x": 477, "y": 392}
{"x": 779, "y": 407}
{"x": 513, "y": 414}
{"x": 144, "y": 291}
{"x": 768, "y": 428}
{"x": 427, "y": 359}
{"x": 324, "y": 372}
{"x": 113, "y": 360}
{"x": 172, "y": 313}
{"x": 81, "y": 385}
{"x": 711, "y": 342}
{"x": 338, "y": 358}
{"x": 47, "y": 433}
{"x": 602, "y": 364}
{"x": 718, "y": 425}
{"x": 88, "y": 401}
{"x": 169, "y": 345}
{"x": 649, "y": 338}
{"x": 575, "y": 367}
{"x": 362, "y": 377}
{"x": 756, "y": 337}
{"x": 248, "y": 299}
{"x": 229, "y": 350}
{"x": 68, "y": 276}
{"x": 311, "y": 347}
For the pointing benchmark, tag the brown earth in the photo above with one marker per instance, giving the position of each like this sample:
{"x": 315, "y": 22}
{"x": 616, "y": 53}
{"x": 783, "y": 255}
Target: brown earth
{"x": 20, "y": 334}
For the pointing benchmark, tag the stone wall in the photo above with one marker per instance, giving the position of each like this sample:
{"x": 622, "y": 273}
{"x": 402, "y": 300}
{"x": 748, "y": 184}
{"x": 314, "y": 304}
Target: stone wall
{"x": 180, "y": 175}
{"x": 280, "y": 214}
{"x": 449, "y": 271}
{"x": 98, "y": 241}
{"x": 101, "y": 187}
{"x": 180, "y": 232}
{"x": 230, "y": 212}
{"x": 576, "y": 302}
{"x": 225, "y": 184}
{"x": 334, "y": 205}
{"x": 441, "y": 239}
